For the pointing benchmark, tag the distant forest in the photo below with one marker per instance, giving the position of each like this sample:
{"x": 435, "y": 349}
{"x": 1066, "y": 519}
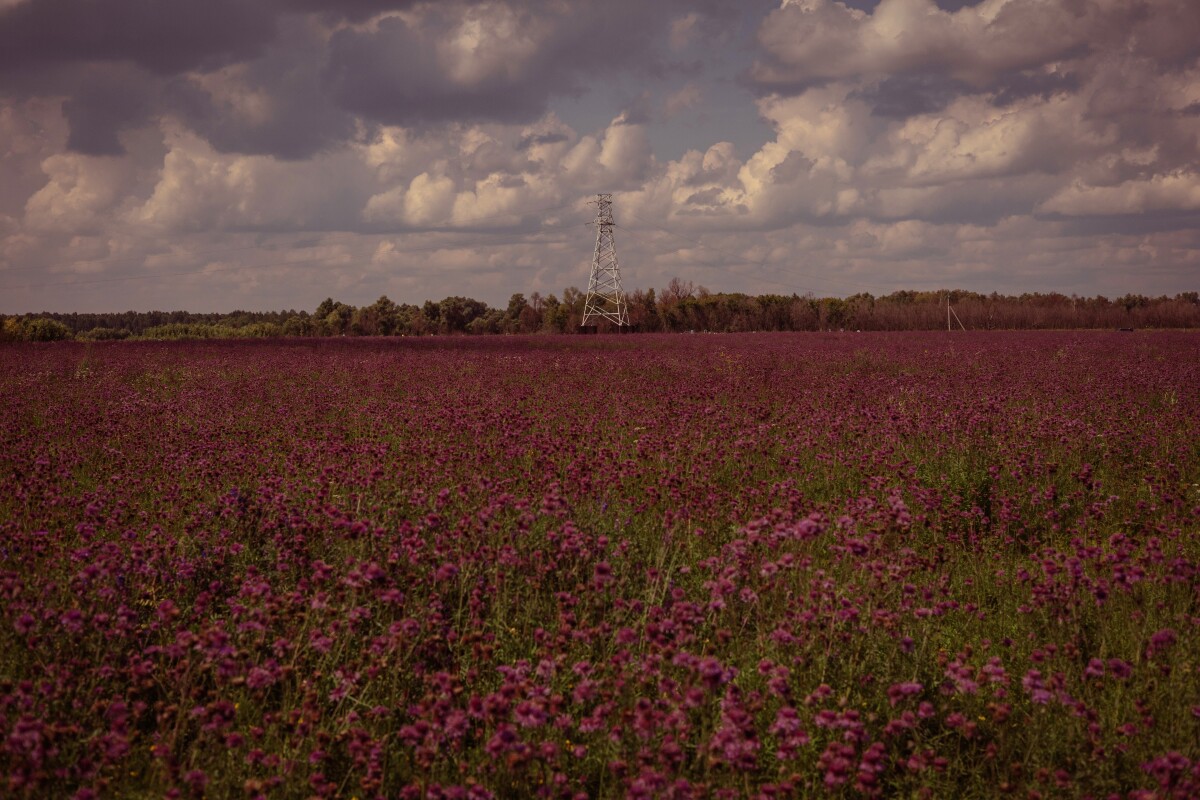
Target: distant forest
{"x": 680, "y": 307}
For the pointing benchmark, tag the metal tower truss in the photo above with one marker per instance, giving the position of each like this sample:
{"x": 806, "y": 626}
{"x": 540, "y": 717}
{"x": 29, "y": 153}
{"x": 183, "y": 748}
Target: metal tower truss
{"x": 605, "y": 298}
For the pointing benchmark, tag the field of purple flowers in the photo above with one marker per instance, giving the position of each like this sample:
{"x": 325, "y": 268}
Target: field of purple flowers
{"x": 648, "y": 566}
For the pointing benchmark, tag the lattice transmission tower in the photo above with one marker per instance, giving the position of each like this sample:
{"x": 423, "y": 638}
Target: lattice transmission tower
{"x": 605, "y": 297}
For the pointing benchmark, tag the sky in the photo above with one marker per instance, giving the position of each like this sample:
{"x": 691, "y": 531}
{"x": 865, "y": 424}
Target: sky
{"x": 213, "y": 155}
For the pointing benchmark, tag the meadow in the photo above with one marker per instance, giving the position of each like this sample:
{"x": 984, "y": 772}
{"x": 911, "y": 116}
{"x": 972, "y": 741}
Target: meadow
{"x": 707, "y": 566}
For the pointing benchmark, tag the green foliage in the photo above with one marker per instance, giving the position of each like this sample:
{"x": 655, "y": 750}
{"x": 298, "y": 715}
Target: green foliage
{"x": 296, "y": 325}
{"x": 681, "y": 306}
{"x": 11, "y": 330}
{"x": 34, "y": 329}
{"x": 103, "y": 334}
{"x": 47, "y": 330}
{"x": 256, "y": 330}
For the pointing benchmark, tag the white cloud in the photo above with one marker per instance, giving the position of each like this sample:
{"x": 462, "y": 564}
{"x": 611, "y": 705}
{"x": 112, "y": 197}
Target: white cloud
{"x": 1175, "y": 192}
{"x": 429, "y": 199}
{"x": 972, "y": 138}
{"x": 625, "y": 153}
{"x": 492, "y": 39}
{"x": 808, "y": 40}
{"x": 200, "y": 189}
{"x": 79, "y": 194}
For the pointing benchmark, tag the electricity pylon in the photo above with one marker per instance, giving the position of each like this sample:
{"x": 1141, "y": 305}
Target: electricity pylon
{"x": 604, "y": 296}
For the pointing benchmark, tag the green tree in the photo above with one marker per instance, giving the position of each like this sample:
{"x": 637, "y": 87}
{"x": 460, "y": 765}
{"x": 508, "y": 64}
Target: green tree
{"x": 834, "y": 313}
{"x": 102, "y": 334}
{"x": 573, "y": 301}
{"x": 529, "y": 320}
{"x": 489, "y": 322}
{"x": 432, "y": 312}
{"x": 337, "y": 321}
{"x": 458, "y": 312}
{"x": 516, "y": 304}
{"x": 386, "y": 316}
{"x": 296, "y": 325}
{"x": 43, "y": 329}
{"x": 325, "y": 309}
{"x": 553, "y": 318}
{"x": 643, "y": 311}
{"x": 514, "y": 315}
{"x": 11, "y": 330}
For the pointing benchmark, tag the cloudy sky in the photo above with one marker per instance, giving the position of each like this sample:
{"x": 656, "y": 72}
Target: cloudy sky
{"x": 220, "y": 154}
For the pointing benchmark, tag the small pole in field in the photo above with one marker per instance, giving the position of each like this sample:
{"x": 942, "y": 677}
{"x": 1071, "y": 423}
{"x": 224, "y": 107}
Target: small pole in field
{"x": 950, "y": 311}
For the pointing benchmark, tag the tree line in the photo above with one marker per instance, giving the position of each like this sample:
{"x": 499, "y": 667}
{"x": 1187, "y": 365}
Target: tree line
{"x": 681, "y": 306}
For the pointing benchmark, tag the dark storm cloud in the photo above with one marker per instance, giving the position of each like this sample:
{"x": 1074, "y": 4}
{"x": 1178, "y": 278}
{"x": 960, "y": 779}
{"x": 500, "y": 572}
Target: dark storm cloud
{"x": 909, "y": 94}
{"x": 707, "y": 197}
{"x": 111, "y": 59}
{"x": 1014, "y": 87}
{"x": 389, "y": 73}
{"x": 534, "y": 139}
{"x": 791, "y": 168}
{"x": 639, "y": 112}
{"x": 400, "y": 74}
{"x": 355, "y": 10}
{"x": 1130, "y": 224}
{"x": 107, "y": 99}
{"x": 102, "y": 98}
{"x": 298, "y": 119}
{"x": 954, "y": 5}
{"x": 295, "y": 129}
{"x": 164, "y": 36}
{"x": 963, "y": 203}
{"x": 903, "y": 96}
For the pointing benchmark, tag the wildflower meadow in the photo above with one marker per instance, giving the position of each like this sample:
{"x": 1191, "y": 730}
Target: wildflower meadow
{"x": 707, "y": 566}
